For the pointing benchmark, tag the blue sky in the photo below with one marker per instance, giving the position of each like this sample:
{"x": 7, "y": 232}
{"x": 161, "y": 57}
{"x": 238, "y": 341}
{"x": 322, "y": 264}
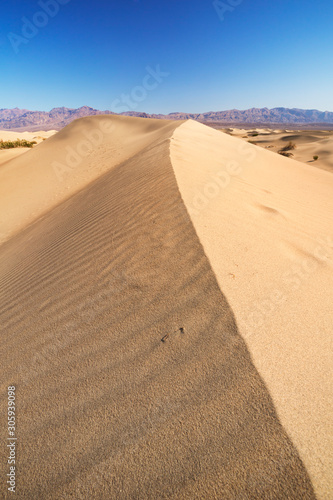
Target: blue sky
{"x": 94, "y": 53}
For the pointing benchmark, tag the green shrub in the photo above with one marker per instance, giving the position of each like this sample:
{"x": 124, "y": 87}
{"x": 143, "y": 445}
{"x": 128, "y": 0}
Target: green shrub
{"x": 19, "y": 143}
{"x": 285, "y": 151}
{"x": 315, "y": 158}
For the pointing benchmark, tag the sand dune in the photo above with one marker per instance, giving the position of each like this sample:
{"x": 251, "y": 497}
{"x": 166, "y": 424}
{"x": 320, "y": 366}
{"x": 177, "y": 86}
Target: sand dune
{"x": 7, "y": 135}
{"x": 106, "y": 257}
{"x": 308, "y": 143}
{"x": 39, "y": 136}
{"x": 10, "y": 154}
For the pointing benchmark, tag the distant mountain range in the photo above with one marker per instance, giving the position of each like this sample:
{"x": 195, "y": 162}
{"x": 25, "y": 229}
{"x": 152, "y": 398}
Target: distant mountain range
{"x": 57, "y": 118}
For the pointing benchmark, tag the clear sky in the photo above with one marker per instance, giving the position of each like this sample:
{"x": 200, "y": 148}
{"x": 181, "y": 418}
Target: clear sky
{"x": 257, "y": 53}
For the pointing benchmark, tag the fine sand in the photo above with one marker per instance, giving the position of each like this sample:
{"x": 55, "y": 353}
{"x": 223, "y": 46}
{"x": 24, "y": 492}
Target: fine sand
{"x": 120, "y": 232}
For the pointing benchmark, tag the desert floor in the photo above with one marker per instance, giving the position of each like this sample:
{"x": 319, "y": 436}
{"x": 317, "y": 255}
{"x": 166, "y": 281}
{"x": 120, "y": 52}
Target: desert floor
{"x": 309, "y": 143}
{"x": 166, "y": 313}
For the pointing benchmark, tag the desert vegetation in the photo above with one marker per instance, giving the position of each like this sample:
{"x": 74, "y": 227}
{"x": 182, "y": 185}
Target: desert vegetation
{"x": 19, "y": 143}
{"x": 285, "y": 151}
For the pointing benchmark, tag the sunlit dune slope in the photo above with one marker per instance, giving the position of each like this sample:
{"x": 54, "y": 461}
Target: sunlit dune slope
{"x": 266, "y": 225}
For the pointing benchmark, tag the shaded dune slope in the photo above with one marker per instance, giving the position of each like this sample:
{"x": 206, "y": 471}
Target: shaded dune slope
{"x": 107, "y": 410}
